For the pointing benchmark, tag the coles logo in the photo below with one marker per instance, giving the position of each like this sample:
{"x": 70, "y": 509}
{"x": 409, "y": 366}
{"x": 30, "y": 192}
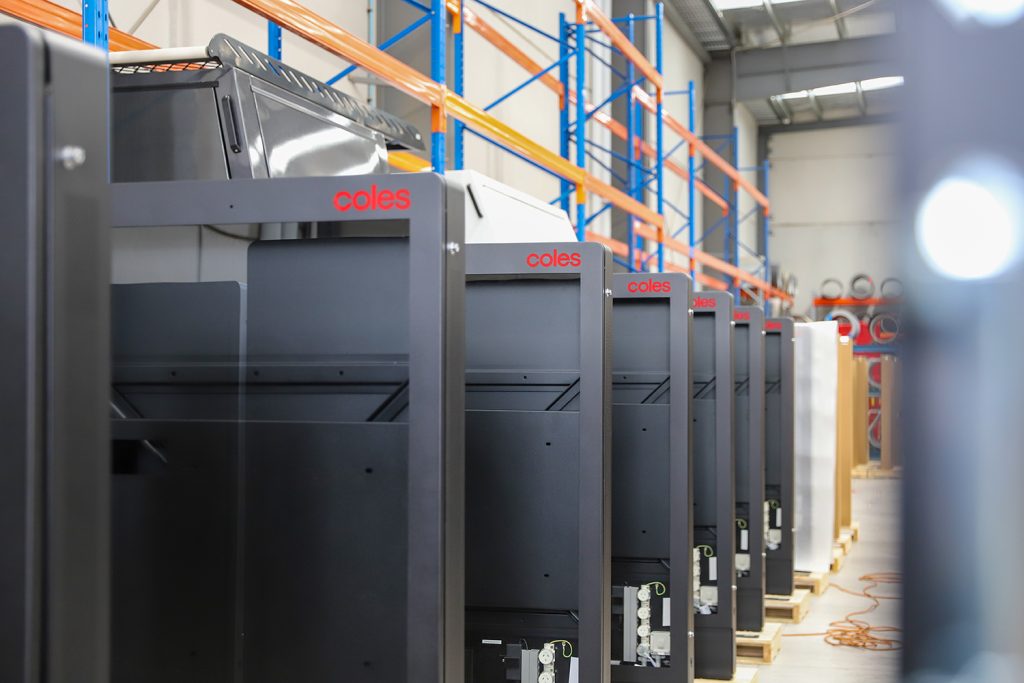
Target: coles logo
{"x": 373, "y": 199}
{"x": 703, "y": 302}
{"x": 773, "y": 325}
{"x": 650, "y": 285}
{"x": 741, "y": 315}
{"x": 554, "y": 259}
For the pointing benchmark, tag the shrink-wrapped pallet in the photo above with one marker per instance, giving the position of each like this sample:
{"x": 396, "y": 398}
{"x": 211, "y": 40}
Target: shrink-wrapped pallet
{"x": 816, "y": 366}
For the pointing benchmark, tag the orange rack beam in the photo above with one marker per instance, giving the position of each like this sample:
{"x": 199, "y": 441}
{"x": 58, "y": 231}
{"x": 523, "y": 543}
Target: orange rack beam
{"x": 847, "y": 301}
{"x": 49, "y": 15}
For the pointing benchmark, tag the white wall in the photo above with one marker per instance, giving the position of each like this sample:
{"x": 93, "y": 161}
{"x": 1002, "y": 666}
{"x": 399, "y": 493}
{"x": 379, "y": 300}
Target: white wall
{"x": 746, "y": 129}
{"x": 833, "y": 204}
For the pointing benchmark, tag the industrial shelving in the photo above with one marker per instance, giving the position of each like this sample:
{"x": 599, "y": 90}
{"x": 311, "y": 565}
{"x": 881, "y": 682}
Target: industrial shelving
{"x": 649, "y": 237}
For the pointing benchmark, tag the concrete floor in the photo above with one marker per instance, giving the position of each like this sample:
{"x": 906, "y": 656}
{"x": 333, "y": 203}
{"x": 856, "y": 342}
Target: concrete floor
{"x": 811, "y": 660}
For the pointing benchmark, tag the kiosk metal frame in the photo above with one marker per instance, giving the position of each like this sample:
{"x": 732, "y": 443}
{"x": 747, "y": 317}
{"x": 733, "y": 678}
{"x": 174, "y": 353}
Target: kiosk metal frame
{"x": 749, "y": 359}
{"x": 652, "y": 489}
{"x": 714, "y": 483}
{"x": 778, "y": 453}
{"x": 531, "y": 472}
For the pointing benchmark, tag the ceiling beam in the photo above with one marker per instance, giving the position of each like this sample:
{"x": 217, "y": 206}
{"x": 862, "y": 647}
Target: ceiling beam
{"x": 815, "y": 105}
{"x": 862, "y": 102}
{"x": 763, "y": 72}
{"x": 871, "y": 119}
{"x": 769, "y": 9}
{"x": 675, "y": 18}
{"x": 839, "y": 20}
{"x": 781, "y": 109}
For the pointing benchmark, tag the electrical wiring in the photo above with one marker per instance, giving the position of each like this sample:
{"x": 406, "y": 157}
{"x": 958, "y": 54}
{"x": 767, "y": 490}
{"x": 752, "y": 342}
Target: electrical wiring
{"x": 853, "y": 632}
{"x": 706, "y": 549}
{"x": 566, "y": 647}
{"x": 659, "y": 587}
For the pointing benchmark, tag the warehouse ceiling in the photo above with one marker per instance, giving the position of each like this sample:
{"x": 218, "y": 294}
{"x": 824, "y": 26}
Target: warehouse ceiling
{"x": 807, "y": 61}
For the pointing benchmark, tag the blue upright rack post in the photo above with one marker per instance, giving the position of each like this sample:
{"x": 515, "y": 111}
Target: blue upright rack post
{"x": 691, "y": 182}
{"x": 95, "y": 23}
{"x": 563, "y": 113}
{"x": 632, "y": 124}
{"x": 458, "y": 41}
{"x": 660, "y": 126}
{"x": 581, "y": 128}
{"x": 274, "y": 41}
{"x": 438, "y": 51}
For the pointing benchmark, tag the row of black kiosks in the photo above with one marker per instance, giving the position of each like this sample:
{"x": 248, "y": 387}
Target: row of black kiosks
{"x": 750, "y": 534}
{"x": 778, "y": 453}
{"x": 388, "y": 453}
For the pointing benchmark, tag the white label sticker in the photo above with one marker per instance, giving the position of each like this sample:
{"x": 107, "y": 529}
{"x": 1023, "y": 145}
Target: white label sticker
{"x": 743, "y": 539}
{"x": 666, "y": 611}
{"x": 778, "y": 517}
{"x": 742, "y": 562}
{"x": 574, "y": 670}
{"x": 712, "y": 569}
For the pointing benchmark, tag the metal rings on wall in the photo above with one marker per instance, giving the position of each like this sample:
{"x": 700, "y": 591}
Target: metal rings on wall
{"x": 862, "y": 286}
{"x": 850, "y": 317}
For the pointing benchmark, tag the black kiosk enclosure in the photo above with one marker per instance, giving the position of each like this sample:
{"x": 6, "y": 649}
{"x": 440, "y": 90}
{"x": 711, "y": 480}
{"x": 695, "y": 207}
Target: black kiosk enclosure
{"x": 714, "y": 504}
{"x": 538, "y": 459}
{"x": 778, "y": 453}
{"x": 652, "y": 509}
{"x": 748, "y": 365}
{"x": 54, "y": 370}
{"x": 288, "y": 446}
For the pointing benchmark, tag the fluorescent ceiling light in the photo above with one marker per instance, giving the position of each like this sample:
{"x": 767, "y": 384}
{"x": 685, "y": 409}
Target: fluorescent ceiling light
{"x": 846, "y": 88}
{"x": 881, "y": 83}
{"x": 724, "y": 5}
{"x": 841, "y": 89}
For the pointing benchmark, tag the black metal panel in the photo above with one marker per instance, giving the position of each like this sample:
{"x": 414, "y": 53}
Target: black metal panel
{"x": 524, "y": 528}
{"x": 778, "y": 453}
{"x": 326, "y": 552}
{"x": 714, "y": 473}
{"x": 748, "y": 359}
{"x": 538, "y": 458}
{"x": 652, "y": 508}
{"x": 173, "y": 556}
{"x": 54, "y": 269}
{"x": 175, "y": 403}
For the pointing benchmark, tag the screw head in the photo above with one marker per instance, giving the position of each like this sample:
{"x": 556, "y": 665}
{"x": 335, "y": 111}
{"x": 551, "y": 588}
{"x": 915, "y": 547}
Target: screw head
{"x": 70, "y": 156}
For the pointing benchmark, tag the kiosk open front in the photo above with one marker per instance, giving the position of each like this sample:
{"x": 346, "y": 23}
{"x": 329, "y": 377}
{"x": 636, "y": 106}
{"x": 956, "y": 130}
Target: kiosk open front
{"x": 778, "y": 454}
{"x": 714, "y": 503}
{"x": 288, "y": 430}
{"x": 652, "y": 509}
{"x": 748, "y": 364}
{"x": 538, "y": 458}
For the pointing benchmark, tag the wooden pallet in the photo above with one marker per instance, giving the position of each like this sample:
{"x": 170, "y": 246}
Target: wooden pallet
{"x": 874, "y": 471}
{"x": 838, "y": 557}
{"x": 790, "y": 609}
{"x": 816, "y": 582}
{"x": 845, "y": 541}
{"x": 855, "y": 531}
{"x": 744, "y": 674}
{"x": 759, "y": 648}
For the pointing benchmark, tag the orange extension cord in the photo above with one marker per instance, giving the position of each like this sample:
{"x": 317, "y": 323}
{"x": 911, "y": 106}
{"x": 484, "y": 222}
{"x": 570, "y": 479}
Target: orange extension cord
{"x": 853, "y": 632}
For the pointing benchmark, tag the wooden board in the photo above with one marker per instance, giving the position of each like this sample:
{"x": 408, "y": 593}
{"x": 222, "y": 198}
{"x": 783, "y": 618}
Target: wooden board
{"x": 861, "y": 447}
{"x": 845, "y": 541}
{"x": 816, "y": 582}
{"x": 890, "y": 410}
{"x": 789, "y": 609}
{"x": 744, "y": 674}
{"x": 844, "y": 436}
{"x": 873, "y": 470}
{"x": 838, "y": 557}
{"x": 855, "y": 531}
{"x": 759, "y": 648}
